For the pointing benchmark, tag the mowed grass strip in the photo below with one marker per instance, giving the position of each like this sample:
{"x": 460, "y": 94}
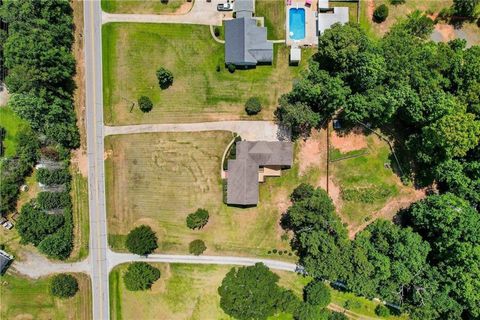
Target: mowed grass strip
{"x": 182, "y": 292}
{"x": 23, "y": 298}
{"x": 133, "y": 52}
{"x": 81, "y": 225}
{"x": 158, "y": 179}
{"x": 136, "y": 6}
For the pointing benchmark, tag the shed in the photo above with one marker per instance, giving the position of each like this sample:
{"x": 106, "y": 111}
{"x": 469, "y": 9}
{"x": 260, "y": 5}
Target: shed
{"x": 5, "y": 260}
{"x": 295, "y": 55}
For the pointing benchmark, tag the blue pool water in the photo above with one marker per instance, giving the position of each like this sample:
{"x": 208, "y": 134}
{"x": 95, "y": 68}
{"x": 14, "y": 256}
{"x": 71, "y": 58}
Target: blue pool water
{"x": 296, "y": 26}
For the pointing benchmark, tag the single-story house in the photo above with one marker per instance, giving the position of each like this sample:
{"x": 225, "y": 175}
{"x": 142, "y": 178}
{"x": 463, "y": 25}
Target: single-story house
{"x": 254, "y": 161}
{"x": 5, "y": 260}
{"x": 246, "y": 43}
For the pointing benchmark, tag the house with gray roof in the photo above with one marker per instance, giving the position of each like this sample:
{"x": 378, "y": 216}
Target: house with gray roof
{"x": 244, "y": 8}
{"x": 254, "y": 161}
{"x": 5, "y": 260}
{"x": 246, "y": 43}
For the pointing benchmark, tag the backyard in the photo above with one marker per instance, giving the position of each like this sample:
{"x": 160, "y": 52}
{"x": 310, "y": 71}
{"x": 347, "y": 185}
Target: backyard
{"x": 203, "y": 89}
{"x": 364, "y": 186}
{"x": 274, "y": 14}
{"x": 157, "y": 7}
{"x": 22, "y": 298}
{"x": 158, "y": 179}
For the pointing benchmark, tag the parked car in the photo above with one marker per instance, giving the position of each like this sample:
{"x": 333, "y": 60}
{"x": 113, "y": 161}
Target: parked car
{"x": 225, "y": 6}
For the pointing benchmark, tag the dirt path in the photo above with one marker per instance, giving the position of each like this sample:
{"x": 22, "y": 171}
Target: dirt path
{"x": 390, "y": 209}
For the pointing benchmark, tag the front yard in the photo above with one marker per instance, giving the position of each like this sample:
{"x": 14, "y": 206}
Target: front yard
{"x": 158, "y": 179}
{"x": 203, "y": 89}
{"x": 22, "y": 298}
{"x": 135, "y": 6}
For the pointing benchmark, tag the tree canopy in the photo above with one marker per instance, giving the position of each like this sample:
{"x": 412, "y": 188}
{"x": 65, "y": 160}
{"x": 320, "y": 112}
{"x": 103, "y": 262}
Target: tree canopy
{"x": 140, "y": 276}
{"x": 198, "y": 219}
{"x": 63, "y": 286}
{"x": 141, "y": 240}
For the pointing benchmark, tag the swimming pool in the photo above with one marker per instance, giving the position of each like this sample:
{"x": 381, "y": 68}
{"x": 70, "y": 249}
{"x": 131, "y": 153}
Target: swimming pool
{"x": 296, "y": 25}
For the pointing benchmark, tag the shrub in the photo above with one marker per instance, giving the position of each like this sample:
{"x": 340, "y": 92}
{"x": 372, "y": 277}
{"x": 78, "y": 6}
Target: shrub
{"x": 382, "y": 311}
{"x": 165, "y": 78}
{"x": 337, "y": 316}
{"x": 140, "y": 276}
{"x": 198, "y": 219}
{"x": 317, "y": 293}
{"x": 53, "y": 177}
{"x": 397, "y": 2}
{"x": 303, "y": 191}
{"x": 141, "y": 240}
{"x": 145, "y": 104}
{"x": 217, "y": 68}
{"x": 253, "y": 106}
{"x": 197, "y": 247}
{"x": 380, "y": 14}
{"x": 216, "y": 31}
{"x": 311, "y": 312}
{"x": 231, "y": 67}
{"x": 63, "y": 286}
{"x": 53, "y": 200}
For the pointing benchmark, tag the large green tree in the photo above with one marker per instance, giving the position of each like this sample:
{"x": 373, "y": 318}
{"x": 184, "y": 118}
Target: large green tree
{"x": 140, "y": 276}
{"x": 141, "y": 240}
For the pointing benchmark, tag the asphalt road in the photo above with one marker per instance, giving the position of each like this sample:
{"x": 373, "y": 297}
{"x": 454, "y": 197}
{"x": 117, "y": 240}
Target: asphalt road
{"x": 96, "y": 173}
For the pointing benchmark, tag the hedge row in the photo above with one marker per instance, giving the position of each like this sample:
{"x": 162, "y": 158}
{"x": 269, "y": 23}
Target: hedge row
{"x": 53, "y": 177}
{"x": 53, "y": 200}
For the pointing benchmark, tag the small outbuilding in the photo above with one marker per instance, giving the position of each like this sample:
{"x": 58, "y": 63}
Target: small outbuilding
{"x": 5, "y": 260}
{"x": 295, "y": 55}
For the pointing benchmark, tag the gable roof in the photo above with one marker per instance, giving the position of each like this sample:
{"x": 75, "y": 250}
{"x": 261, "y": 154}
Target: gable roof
{"x": 5, "y": 259}
{"x": 242, "y": 177}
{"x": 246, "y": 43}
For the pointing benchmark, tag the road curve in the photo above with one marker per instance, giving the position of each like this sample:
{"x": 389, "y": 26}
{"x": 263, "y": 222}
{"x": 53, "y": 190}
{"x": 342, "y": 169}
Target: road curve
{"x": 248, "y": 130}
{"x": 115, "y": 258}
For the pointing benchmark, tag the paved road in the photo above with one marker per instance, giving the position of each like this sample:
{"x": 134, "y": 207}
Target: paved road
{"x": 248, "y": 130}
{"x": 203, "y": 12}
{"x": 96, "y": 172}
{"x": 115, "y": 259}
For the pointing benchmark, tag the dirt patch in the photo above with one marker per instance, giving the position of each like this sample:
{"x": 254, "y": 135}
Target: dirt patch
{"x": 370, "y": 8}
{"x": 80, "y": 160}
{"x": 348, "y": 142}
{"x": 446, "y": 31}
{"x": 333, "y": 191}
{"x": 313, "y": 151}
{"x": 390, "y": 209}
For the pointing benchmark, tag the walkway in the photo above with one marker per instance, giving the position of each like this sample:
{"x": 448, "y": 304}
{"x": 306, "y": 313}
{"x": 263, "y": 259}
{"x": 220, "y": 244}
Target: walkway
{"x": 202, "y": 12}
{"x": 248, "y": 130}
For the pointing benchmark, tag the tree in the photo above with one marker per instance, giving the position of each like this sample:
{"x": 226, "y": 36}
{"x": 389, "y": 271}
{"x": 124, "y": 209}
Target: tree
{"x": 337, "y": 316}
{"x": 140, "y": 276}
{"x": 465, "y": 8}
{"x": 299, "y": 117}
{"x": 141, "y": 240}
{"x": 317, "y": 293}
{"x": 54, "y": 176}
{"x": 253, "y": 293}
{"x": 58, "y": 245}
{"x": 380, "y": 14}
{"x": 253, "y": 106}
{"x": 198, "y": 219}
{"x": 311, "y": 312}
{"x": 382, "y": 311}
{"x": 34, "y": 224}
{"x": 63, "y": 286}
{"x": 145, "y": 104}
{"x": 418, "y": 24}
{"x": 197, "y": 247}
{"x": 303, "y": 191}
{"x": 165, "y": 78}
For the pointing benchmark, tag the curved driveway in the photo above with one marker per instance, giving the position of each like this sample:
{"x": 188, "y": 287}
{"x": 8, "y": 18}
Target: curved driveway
{"x": 248, "y": 130}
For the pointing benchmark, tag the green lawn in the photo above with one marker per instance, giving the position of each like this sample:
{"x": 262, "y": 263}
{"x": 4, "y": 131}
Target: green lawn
{"x": 12, "y": 123}
{"x": 365, "y": 183}
{"x": 275, "y": 15}
{"x": 182, "y": 292}
{"x": 22, "y": 298}
{"x": 136, "y": 6}
{"x": 158, "y": 179}
{"x": 80, "y": 217}
{"x": 132, "y": 52}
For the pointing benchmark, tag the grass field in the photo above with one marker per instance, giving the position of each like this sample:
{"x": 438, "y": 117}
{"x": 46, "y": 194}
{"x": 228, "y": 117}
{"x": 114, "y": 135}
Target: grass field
{"x": 135, "y": 6}
{"x": 132, "y": 52}
{"x": 275, "y": 15}
{"x": 366, "y": 185}
{"x": 12, "y": 124}
{"x": 80, "y": 217}
{"x": 22, "y": 298}
{"x": 158, "y": 179}
{"x": 182, "y": 292}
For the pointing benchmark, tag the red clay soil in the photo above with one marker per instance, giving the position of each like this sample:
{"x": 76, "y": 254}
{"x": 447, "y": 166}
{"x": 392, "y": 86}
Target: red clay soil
{"x": 348, "y": 142}
{"x": 313, "y": 151}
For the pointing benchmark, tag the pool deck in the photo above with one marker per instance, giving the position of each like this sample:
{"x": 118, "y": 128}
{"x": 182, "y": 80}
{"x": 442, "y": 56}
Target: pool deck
{"x": 310, "y": 25}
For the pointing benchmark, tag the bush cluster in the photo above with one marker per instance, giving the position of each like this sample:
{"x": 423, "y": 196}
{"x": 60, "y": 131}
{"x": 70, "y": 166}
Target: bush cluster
{"x": 140, "y": 276}
{"x": 197, "y": 247}
{"x": 53, "y": 200}
{"x": 380, "y": 14}
{"x": 145, "y": 104}
{"x": 54, "y": 176}
{"x": 63, "y": 286}
{"x": 198, "y": 219}
{"x": 165, "y": 78}
{"x": 253, "y": 106}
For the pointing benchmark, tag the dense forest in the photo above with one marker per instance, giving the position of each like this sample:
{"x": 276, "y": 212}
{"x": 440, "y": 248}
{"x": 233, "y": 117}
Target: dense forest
{"x": 39, "y": 69}
{"x": 426, "y": 97}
